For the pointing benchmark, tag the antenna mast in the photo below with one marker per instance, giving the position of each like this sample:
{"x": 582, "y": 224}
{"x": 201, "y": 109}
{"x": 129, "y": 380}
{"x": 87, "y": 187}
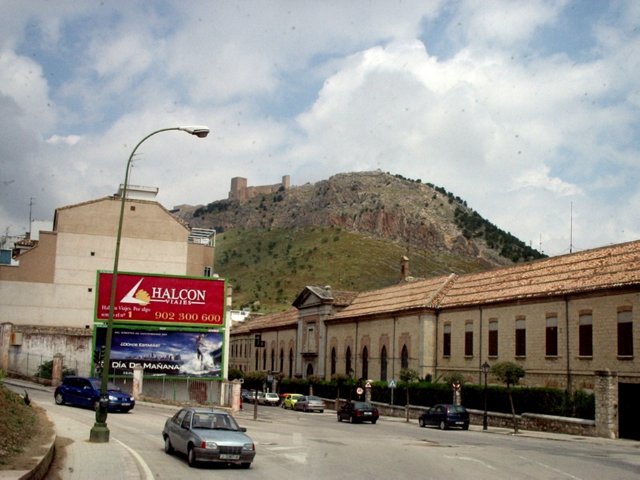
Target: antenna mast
{"x": 571, "y": 230}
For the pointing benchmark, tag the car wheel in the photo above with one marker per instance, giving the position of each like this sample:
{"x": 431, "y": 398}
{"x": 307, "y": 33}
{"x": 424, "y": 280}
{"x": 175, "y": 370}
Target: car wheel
{"x": 466, "y": 426}
{"x": 421, "y": 421}
{"x": 442, "y": 425}
{"x": 339, "y": 418}
{"x": 168, "y": 448}
{"x": 374, "y": 421}
{"x": 245, "y": 465}
{"x": 351, "y": 419}
{"x": 59, "y": 398}
{"x": 321, "y": 411}
{"x": 191, "y": 457}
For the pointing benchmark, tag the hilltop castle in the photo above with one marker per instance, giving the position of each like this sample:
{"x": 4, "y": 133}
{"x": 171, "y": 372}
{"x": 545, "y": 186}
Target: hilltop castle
{"x": 241, "y": 192}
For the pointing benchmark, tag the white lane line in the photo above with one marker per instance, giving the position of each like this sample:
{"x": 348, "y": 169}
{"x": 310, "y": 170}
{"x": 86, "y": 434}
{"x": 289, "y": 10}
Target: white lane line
{"x": 146, "y": 471}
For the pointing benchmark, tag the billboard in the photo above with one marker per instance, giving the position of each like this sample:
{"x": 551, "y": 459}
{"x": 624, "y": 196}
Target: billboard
{"x": 162, "y": 299}
{"x": 193, "y": 353}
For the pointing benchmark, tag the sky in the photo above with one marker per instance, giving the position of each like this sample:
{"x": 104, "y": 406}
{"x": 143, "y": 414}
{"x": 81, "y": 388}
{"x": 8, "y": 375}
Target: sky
{"x": 527, "y": 110}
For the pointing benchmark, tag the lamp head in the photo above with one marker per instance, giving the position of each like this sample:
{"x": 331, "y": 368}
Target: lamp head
{"x": 199, "y": 131}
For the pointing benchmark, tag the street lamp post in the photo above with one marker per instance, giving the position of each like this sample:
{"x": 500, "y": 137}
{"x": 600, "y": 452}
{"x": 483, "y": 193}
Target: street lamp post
{"x": 100, "y": 431}
{"x": 485, "y": 371}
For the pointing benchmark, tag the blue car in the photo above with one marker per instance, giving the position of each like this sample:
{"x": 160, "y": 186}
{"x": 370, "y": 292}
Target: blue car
{"x": 85, "y": 392}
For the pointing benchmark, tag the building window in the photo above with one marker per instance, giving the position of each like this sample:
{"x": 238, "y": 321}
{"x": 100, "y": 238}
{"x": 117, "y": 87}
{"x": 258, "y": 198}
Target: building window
{"x": 404, "y": 358}
{"x": 493, "y": 338}
{"x": 365, "y": 363}
{"x": 207, "y": 271}
{"x": 383, "y": 364}
{"x": 290, "y": 362}
{"x": 521, "y": 337}
{"x": 446, "y": 341}
{"x": 273, "y": 360}
{"x": 468, "y": 339}
{"x": 333, "y": 361}
{"x": 585, "y": 335}
{"x": 281, "y": 360}
{"x": 264, "y": 359}
{"x": 311, "y": 339}
{"x": 551, "y": 336}
{"x": 347, "y": 362}
{"x": 257, "y": 359}
{"x": 625, "y": 333}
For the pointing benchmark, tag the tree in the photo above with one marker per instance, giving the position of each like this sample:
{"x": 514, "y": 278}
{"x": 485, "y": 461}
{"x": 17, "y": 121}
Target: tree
{"x": 408, "y": 375}
{"x": 510, "y": 374}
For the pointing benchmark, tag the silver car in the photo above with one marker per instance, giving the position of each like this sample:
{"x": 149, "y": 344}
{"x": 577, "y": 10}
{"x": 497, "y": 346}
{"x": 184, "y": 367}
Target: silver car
{"x": 208, "y": 435}
{"x": 309, "y": 403}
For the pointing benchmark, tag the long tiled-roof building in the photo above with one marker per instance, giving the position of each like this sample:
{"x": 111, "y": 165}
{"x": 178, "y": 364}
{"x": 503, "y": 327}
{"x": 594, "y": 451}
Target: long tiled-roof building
{"x": 563, "y": 319}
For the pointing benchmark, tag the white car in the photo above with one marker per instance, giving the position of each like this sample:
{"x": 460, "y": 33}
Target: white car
{"x": 269, "y": 398}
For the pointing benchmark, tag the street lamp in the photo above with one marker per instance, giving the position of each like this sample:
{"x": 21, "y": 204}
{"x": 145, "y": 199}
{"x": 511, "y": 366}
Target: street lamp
{"x": 100, "y": 430}
{"x": 485, "y": 370}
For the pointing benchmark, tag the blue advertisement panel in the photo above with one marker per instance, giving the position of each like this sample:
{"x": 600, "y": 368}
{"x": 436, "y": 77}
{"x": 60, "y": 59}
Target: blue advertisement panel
{"x": 176, "y": 353}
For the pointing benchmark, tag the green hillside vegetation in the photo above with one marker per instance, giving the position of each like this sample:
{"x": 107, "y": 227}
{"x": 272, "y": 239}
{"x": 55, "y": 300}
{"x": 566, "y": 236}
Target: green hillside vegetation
{"x": 269, "y": 268}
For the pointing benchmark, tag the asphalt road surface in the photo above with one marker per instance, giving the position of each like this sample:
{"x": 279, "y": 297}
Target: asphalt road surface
{"x": 316, "y": 446}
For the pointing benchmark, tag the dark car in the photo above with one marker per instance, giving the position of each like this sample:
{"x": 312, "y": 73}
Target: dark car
{"x": 85, "y": 392}
{"x": 208, "y": 435}
{"x": 445, "y": 416}
{"x": 356, "y": 412}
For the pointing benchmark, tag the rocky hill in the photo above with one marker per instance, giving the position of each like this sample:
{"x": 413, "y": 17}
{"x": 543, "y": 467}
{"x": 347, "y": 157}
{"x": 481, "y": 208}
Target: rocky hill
{"x": 437, "y": 230}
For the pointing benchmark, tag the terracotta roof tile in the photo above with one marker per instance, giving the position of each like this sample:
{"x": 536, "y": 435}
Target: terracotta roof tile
{"x": 404, "y": 296}
{"x": 606, "y": 267}
{"x": 274, "y": 320}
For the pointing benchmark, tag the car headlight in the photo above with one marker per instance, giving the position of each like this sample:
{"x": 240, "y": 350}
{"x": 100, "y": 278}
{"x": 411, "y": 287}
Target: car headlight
{"x": 209, "y": 444}
{"x": 131, "y": 399}
{"x": 249, "y": 446}
{"x": 112, "y": 398}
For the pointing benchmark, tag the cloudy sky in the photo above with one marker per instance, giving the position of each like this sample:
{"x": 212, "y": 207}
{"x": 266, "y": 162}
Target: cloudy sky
{"x": 528, "y": 110}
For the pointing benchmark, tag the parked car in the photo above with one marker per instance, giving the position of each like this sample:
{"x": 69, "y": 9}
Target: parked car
{"x": 445, "y": 416}
{"x": 290, "y": 400}
{"x": 309, "y": 403}
{"x": 249, "y": 396}
{"x": 356, "y": 412}
{"x": 269, "y": 398}
{"x": 85, "y": 392}
{"x": 208, "y": 435}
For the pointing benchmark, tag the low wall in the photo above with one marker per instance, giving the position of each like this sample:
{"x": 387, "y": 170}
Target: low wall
{"x": 526, "y": 421}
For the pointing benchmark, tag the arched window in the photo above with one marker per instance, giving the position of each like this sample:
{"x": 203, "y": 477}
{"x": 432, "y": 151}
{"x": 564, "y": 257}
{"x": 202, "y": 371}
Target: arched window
{"x": 309, "y": 370}
{"x": 257, "y": 358}
{"x": 333, "y": 361}
{"x": 404, "y": 358}
{"x": 281, "y": 360}
{"x": 264, "y": 359}
{"x": 347, "y": 362}
{"x": 290, "y": 362}
{"x": 383, "y": 364}
{"x": 365, "y": 363}
{"x": 273, "y": 360}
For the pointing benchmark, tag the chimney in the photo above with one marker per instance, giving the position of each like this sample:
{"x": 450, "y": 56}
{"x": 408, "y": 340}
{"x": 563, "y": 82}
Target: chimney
{"x": 404, "y": 268}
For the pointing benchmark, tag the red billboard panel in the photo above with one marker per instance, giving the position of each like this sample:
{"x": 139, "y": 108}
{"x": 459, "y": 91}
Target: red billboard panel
{"x": 162, "y": 299}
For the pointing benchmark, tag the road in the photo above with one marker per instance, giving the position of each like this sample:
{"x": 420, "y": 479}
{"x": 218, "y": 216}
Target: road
{"x": 316, "y": 446}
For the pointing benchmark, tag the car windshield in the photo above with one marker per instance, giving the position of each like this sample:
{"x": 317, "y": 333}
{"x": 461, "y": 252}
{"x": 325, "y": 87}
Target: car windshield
{"x": 457, "y": 409}
{"x": 97, "y": 384}
{"x": 213, "y": 421}
{"x": 361, "y": 405}
{"x": 314, "y": 399}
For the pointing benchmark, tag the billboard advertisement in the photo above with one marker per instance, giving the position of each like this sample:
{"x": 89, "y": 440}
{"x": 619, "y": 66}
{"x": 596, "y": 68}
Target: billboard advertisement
{"x": 193, "y": 353}
{"x": 162, "y": 299}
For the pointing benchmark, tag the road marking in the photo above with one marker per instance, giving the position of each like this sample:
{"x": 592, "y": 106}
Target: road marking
{"x": 471, "y": 459}
{"x": 146, "y": 471}
{"x": 551, "y": 468}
